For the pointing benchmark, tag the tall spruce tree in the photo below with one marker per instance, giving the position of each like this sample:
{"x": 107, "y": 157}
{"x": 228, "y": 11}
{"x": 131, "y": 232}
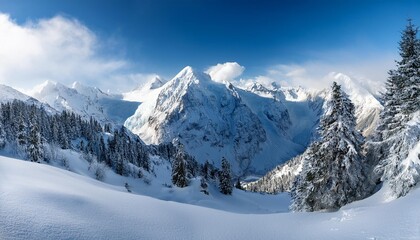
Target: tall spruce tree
{"x": 333, "y": 168}
{"x": 395, "y": 137}
{"x": 225, "y": 178}
{"x": 21, "y": 131}
{"x": 402, "y": 97}
{"x": 2, "y": 133}
{"x": 35, "y": 149}
{"x": 179, "y": 169}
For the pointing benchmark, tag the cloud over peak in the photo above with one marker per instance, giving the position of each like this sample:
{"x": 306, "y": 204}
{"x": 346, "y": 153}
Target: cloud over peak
{"x": 225, "y": 71}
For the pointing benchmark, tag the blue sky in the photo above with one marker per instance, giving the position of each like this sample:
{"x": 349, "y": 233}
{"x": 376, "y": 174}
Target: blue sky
{"x": 163, "y": 36}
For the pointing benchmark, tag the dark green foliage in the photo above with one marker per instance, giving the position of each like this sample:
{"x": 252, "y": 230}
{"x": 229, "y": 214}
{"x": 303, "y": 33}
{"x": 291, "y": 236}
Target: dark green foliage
{"x": 238, "y": 184}
{"x": 179, "y": 170}
{"x": 225, "y": 178}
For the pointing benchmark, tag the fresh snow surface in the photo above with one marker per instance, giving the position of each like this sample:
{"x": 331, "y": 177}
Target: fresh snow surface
{"x": 43, "y": 202}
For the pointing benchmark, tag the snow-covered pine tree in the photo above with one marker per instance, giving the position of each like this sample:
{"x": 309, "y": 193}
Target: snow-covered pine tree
{"x": 205, "y": 170}
{"x": 409, "y": 70}
{"x": 333, "y": 168}
{"x": 402, "y": 97}
{"x": 179, "y": 168}
{"x": 2, "y": 134}
{"x": 225, "y": 178}
{"x": 21, "y": 134}
{"x": 35, "y": 149}
{"x": 399, "y": 130}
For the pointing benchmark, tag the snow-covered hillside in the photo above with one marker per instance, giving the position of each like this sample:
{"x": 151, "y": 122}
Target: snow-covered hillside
{"x": 9, "y": 94}
{"x": 215, "y": 120}
{"x": 85, "y": 101}
{"x": 50, "y": 203}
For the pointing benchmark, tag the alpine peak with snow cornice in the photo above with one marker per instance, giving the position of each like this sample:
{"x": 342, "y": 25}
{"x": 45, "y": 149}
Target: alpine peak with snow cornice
{"x": 215, "y": 120}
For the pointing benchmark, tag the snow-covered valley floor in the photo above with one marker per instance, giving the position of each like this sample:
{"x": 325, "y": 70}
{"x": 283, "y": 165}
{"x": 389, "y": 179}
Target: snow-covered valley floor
{"x": 43, "y": 202}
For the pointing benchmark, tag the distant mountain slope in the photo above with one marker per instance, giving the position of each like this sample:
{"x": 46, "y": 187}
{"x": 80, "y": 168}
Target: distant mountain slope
{"x": 8, "y": 94}
{"x": 85, "y": 101}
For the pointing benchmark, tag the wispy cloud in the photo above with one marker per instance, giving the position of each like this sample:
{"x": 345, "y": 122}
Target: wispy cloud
{"x": 59, "y": 49}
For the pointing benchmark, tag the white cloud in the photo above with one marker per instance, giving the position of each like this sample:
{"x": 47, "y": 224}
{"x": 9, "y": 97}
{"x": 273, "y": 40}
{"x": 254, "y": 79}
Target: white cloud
{"x": 370, "y": 72}
{"x": 225, "y": 71}
{"x": 59, "y": 49}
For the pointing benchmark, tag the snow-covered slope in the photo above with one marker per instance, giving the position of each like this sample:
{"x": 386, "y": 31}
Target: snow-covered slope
{"x": 50, "y": 203}
{"x": 280, "y": 179}
{"x": 8, "y": 94}
{"x": 144, "y": 92}
{"x": 215, "y": 120}
{"x": 85, "y": 101}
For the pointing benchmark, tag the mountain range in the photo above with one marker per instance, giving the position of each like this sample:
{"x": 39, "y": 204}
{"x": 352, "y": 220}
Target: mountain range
{"x": 255, "y": 127}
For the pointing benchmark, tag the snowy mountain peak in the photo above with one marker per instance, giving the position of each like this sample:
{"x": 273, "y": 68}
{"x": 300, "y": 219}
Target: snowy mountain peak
{"x": 51, "y": 91}
{"x": 351, "y": 85}
{"x": 367, "y": 107}
{"x": 48, "y": 85}
{"x": 85, "y": 101}
{"x": 92, "y": 92}
{"x": 8, "y": 94}
{"x": 186, "y": 71}
{"x": 215, "y": 120}
{"x": 189, "y": 75}
{"x": 156, "y": 82}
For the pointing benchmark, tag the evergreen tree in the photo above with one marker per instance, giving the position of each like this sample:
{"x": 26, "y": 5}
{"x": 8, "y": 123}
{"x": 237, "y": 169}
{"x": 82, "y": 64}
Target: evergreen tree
{"x": 63, "y": 138}
{"x": 21, "y": 134}
{"x": 2, "y": 134}
{"x": 179, "y": 169}
{"x": 409, "y": 70}
{"x": 35, "y": 149}
{"x": 225, "y": 178}
{"x": 402, "y": 96}
{"x": 101, "y": 150}
{"x": 205, "y": 170}
{"x": 238, "y": 184}
{"x": 333, "y": 168}
{"x": 395, "y": 136}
